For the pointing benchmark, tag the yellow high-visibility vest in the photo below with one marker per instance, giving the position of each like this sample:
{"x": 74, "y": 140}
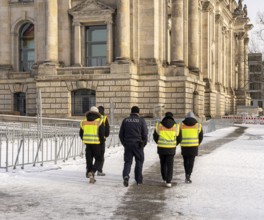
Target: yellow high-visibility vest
{"x": 104, "y": 118}
{"x": 167, "y": 136}
{"x": 190, "y": 135}
{"x": 91, "y": 131}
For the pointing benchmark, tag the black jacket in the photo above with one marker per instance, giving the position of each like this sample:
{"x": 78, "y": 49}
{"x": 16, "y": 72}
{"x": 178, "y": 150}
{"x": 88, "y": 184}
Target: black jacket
{"x": 191, "y": 151}
{"x": 133, "y": 130}
{"x": 167, "y": 122}
{"x": 91, "y": 116}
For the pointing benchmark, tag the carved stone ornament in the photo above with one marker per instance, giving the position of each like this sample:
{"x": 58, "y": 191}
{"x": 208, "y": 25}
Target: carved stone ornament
{"x": 207, "y": 6}
{"x": 218, "y": 19}
{"x": 91, "y": 9}
{"x": 239, "y": 35}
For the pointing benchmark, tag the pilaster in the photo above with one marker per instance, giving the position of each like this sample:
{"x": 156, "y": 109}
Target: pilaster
{"x": 77, "y": 44}
{"x": 109, "y": 41}
{"x": 5, "y": 58}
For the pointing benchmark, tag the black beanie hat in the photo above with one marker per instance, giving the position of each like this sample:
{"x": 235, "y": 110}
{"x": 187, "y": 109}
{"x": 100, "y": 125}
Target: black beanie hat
{"x": 135, "y": 109}
{"x": 168, "y": 114}
{"x": 101, "y": 110}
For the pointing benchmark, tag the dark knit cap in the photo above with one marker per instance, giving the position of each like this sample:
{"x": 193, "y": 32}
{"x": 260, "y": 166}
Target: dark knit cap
{"x": 168, "y": 114}
{"x": 101, "y": 110}
{"x": 135, "y": 109}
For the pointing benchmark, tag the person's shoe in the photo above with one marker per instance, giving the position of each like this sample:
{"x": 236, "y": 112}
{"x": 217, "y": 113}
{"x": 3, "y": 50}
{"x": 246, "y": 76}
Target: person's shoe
{"x": 100, "y": 173}
{"x": 139, "y": 184}
{"x": 168, "y": 185}
{"x": 126, "y": 181}
{"x": 91, "y": 176}
{"x": 187, "y": 179}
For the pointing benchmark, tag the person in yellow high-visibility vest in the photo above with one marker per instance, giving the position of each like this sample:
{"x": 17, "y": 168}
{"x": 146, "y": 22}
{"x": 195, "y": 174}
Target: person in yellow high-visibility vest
{"x": 166, "y": 135}
{"x": 92, "y": 133}
{"x": 107, "y": 132}
{"x": 192, "y": 135}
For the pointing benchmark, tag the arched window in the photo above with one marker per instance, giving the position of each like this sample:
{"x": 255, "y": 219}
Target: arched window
{"x": 20, "y": 102}
{"x": 26, "y": 47}
{"x": 82, "y": 101}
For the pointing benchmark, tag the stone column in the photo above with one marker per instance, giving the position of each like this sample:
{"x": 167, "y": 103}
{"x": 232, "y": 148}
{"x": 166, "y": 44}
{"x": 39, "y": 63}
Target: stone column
{"x": 65, "y": 33}
{"x": 229, "y": 61}
{"x": 5, "y": 35}
{"x": 52, "y": 31}
{"x": 193, "y": 35}
{"x": 109, "y": 42}
{"x": 223, "y": 52}
{"x": 207, "y": 39}
{"x": 218, "y": 49}
{"x": 177, "y": 32}
{"x": 246, "y": 41}
{"x": 241, "y": 61}
{"x": 40, "y": 30}
{"x": 123, "y": 19}
{"x": 77, "y": 44}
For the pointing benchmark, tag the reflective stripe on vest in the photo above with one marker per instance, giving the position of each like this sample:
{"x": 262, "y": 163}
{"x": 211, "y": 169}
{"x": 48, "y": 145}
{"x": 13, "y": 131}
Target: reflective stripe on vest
{"x": 190, "y": 135}
{"x": 104, "y": 118}
{"x": 90, "y": 131}
{"x": 167, "y": 136}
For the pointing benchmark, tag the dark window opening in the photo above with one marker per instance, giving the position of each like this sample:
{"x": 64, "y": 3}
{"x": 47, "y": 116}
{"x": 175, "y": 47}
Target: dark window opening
{"x": 82, "y": 101}
{"x": 20, "y": 103}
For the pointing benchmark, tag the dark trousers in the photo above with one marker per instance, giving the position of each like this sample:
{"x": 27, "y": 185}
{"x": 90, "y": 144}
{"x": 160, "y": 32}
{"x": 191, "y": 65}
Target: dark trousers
{"x": 188, "y": 162}
{"x": 100, "y": 169}
{"x": 166, "y": 167}
{"x": 134, "y": 151}
{"x": 93, "y": 151}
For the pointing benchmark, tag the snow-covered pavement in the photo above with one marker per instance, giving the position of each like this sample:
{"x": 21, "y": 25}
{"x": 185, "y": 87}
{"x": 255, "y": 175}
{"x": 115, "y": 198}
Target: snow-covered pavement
{"x": 227, "y": 184}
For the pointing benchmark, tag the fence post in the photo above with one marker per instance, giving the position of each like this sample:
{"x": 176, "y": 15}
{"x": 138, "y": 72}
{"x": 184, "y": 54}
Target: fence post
{"x": 23, "y": 150}
{"x": 56, "y": 144}
{"x": 112, "y": 109}
{"x": 7, "y": 150}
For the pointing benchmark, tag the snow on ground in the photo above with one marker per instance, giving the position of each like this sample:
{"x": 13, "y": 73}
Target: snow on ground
{"x": 227, "y": 184}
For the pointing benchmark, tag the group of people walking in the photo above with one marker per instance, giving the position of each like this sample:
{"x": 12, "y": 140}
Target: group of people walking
{"x": 133, "y": 134}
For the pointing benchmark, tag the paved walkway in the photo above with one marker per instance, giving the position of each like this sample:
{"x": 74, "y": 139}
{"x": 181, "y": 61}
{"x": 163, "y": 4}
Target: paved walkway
{"x": 147, "y": 201}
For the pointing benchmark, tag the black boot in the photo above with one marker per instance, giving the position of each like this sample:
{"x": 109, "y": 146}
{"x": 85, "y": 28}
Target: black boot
{"x": 126, "y": 179}
{"x": 187, "y": 178}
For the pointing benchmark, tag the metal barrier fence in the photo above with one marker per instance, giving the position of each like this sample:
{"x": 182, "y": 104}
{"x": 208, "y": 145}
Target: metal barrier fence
{"x": 22, "y": 144}
{"x": 208, "y": 126}
{"x": 244, "y": 119}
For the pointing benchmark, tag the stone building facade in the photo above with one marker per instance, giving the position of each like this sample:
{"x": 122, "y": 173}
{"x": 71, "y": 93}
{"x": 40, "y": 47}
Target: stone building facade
{"x": 182, "y": 55}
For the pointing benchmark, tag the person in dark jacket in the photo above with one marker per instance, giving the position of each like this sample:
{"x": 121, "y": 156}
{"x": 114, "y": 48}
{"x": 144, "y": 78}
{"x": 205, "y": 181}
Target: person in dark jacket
{"x": 107, "y": 132}
{"x": 92, "y": 133}
{"x": 166, "y": 135}
{"x": 133, "y": 135}
{"x": 192, "y": 135}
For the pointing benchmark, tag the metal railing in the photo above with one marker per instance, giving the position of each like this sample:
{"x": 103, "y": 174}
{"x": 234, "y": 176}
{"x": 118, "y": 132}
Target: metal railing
{"x": 21, "y": 143}
{"x": 208, "y": 126}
